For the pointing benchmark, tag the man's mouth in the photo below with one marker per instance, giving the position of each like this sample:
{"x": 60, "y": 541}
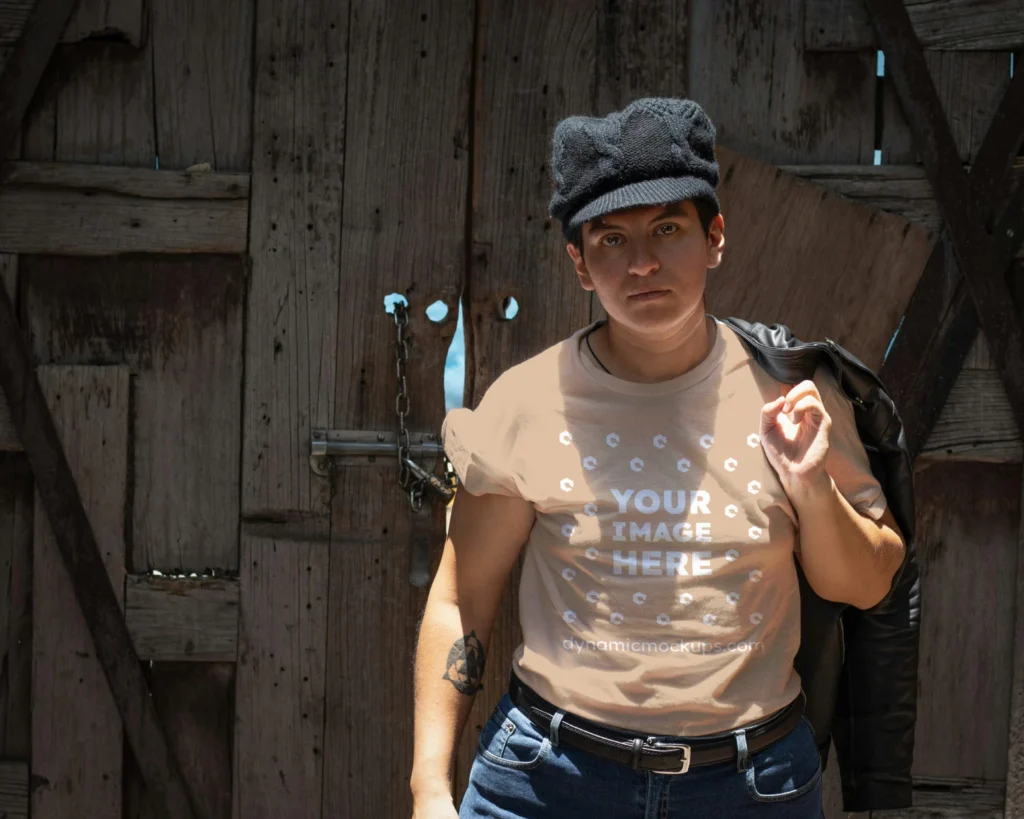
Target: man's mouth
{"x": 648, "y": 294}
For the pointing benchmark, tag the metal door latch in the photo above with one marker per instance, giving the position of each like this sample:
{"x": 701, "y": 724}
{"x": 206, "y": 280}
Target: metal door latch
{"x": 357, "y": 447}
{"x": 360, "y": 447}
{"x": 333, "y": 448}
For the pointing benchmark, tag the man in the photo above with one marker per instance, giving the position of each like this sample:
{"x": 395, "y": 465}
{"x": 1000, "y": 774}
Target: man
{"x": 663, "y": 484}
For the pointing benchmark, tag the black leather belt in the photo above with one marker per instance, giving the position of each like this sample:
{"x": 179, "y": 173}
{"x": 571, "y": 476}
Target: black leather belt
{"x": 641, "y": 751}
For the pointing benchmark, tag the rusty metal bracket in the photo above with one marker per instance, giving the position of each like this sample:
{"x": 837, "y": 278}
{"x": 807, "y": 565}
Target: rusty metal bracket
{"x": 973, "y": 247}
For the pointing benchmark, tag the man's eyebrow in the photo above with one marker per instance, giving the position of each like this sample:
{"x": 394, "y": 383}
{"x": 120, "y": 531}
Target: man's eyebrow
{"x": 671, "y": 209}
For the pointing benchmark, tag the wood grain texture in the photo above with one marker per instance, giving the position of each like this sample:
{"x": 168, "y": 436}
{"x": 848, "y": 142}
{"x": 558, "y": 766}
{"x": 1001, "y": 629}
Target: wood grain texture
{"x": 96, "y": 107}
{"x": 9, "y": 275}
{"x": 202, "y": 74}
{"x": 14, "y": 148}
{"x": 75, "y": 223}
{"x": 526, "y": 85}
{"x": 865, "y": 260}
{"x": 899, "y": 189}
{"x": 279, "y": 723}
{"x": 77, "y": 744}
{"x": 291, "y": 350}
{"x": 1014, "y": 801}
{"x": 641, "y": 50}
{"x": 528, "y": 77}
{"x": 137, "y": 183}
{"x": 769, "y": 98}
{"x": 118, "y": 19}
{"x": 8, "y": 279}
{"x": 26, "y": 63}
{"x": 72, "y": 208}
{"x": 14, "y": 789}
{"x": 16, "y": 516}
{"x": 407, "y": 140}
{"x": 968, "y": 521}
{"x": 953, "y": 25}
{"x": 976, "y": 422}
{"x": 182, "y": 619}
{"x": 105, "y": 106}
{"x": 196, "y": 705}
{"x": 970, "y": 86}
{"x": 177, "y": 323}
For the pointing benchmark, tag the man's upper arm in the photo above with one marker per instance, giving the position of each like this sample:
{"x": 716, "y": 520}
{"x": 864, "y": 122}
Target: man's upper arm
{"x": 486, "y": 533}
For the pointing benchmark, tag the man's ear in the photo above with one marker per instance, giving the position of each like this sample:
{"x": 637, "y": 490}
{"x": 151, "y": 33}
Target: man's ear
{"x": 581, "y": 267}
{"x": 716, "y": 240}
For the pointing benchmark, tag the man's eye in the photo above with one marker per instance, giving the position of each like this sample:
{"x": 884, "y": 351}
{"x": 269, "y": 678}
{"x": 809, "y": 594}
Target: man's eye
{"x": 674, "y": 227}
{"x": 612, "y": 236}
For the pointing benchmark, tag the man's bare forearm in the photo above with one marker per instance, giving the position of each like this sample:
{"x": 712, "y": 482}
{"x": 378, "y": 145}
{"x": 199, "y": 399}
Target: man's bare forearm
{"x": 846, "y": 556}
{"x": 450, "y": 661}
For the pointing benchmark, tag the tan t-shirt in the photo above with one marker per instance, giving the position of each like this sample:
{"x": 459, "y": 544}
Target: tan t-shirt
{"x": 659, "y": 591}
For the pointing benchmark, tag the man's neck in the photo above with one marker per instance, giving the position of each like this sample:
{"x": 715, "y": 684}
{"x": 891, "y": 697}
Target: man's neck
{"x": 638, "y": 358}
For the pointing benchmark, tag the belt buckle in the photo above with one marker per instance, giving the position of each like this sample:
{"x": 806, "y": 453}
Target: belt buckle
{"x": 674, "y": 745}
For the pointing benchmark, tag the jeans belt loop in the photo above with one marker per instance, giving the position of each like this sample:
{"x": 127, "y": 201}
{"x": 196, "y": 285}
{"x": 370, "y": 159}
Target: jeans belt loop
{"x": 556, "y": 720}
{"x": 637, "y": 745}
{"x": 741, "y": 750}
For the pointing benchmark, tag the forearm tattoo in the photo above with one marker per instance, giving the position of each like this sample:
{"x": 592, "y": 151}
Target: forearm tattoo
{"x": 465, "y": 666}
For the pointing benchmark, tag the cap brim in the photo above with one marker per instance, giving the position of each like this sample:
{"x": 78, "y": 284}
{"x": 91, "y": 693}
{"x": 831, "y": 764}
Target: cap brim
{"x": 645, "y": 192}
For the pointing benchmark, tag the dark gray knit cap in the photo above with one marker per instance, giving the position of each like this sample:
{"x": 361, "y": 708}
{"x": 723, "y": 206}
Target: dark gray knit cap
{"x": 655, "y": 151}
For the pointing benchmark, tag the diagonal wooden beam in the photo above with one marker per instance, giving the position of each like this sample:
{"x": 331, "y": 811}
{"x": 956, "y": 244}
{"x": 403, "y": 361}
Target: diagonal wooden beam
{"x": 971, "y": 245}
{"x": 941, "y": 324}
{"x": 52, "y": 474}
{"x": 80, "y": 552}
{"x": 26, "y": 63}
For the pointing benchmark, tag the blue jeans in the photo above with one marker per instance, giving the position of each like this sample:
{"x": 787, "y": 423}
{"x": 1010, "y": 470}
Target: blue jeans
{"x": 518, "y": 773}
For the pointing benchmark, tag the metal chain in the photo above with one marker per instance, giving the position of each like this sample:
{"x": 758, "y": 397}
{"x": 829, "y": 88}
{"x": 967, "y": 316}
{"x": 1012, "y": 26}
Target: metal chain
{"x": 414, "y": 487}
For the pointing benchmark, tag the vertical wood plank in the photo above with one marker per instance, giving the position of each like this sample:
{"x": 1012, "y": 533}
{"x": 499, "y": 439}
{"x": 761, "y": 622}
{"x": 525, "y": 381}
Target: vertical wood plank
{"x": 9, "y": 275}
{"x": 98, "y": 18}
{"x": 1014, "y": 799}
{"x": 104, "y": 105}
{"x": 770, "y": 99}
{"x": 14, "y": 150}
{"x": 39, "y": 128}
{"x": 528, "y": 78}
{"x": 535, "y": 65}
{"x": 642, "y": 50}
{"x": 970, "y": 85}
{"x": 1015, "y": 741}
{"x": 280, "y": 680}
{"x": 967, "y": 533}
{"x": 94, "y": 104}
{"x": 16, "y": 515}
{"x": 77, "y": 745}
{"x": 177, "y": 323}
{"x": 202, "y": 75}
{"x": 195, "y": 702}
{"x": 291, "y": 348}
{"x": 114, "y": 19}
{"x": 408, "y": 99}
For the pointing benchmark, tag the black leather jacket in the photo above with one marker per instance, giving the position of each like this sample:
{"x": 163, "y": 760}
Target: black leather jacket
{"x": 858, "y": 667}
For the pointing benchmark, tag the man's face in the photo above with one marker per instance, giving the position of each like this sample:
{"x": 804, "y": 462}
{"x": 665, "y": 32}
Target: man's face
{"x": 660, "y": 247}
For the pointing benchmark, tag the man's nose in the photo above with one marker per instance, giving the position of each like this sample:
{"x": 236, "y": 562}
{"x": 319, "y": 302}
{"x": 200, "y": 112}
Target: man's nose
{"x": 643, "y": 262}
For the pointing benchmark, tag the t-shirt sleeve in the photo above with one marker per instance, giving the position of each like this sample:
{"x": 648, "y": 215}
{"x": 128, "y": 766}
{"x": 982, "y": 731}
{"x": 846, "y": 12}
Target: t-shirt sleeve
{"x": 847, "y": 460}
{"x": 481, "y": 443}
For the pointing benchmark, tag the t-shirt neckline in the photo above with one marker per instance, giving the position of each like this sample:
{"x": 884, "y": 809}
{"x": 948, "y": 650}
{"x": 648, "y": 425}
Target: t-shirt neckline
{"x": 680, "y": 382}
